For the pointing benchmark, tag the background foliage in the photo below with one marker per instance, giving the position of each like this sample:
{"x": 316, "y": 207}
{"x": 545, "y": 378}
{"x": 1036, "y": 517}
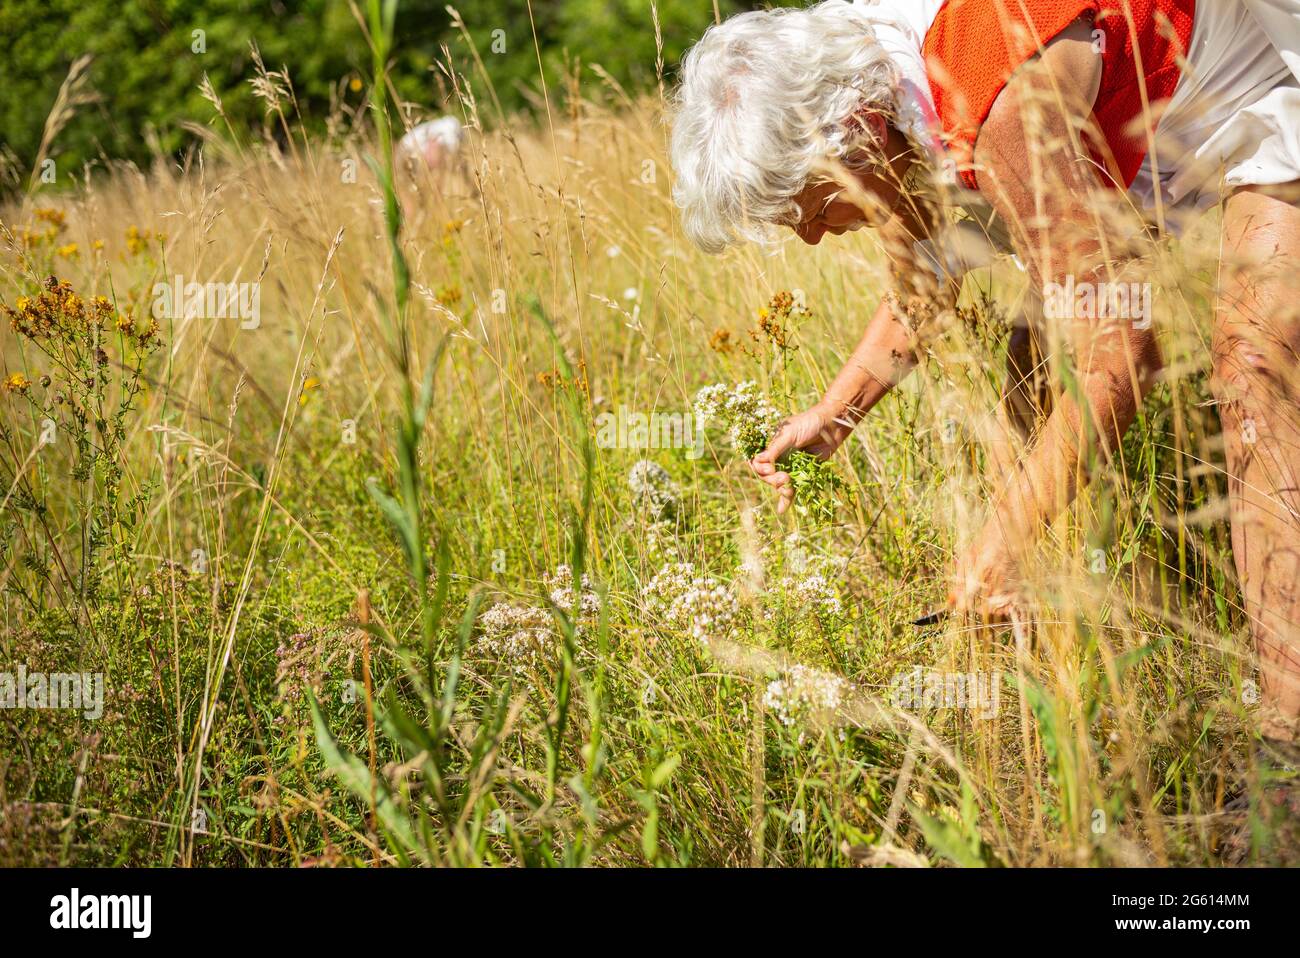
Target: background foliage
{"x": 147, "y": 75}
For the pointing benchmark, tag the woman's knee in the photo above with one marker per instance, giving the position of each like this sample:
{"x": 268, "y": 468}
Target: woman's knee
{"x": 1252, "y": 362}
{"x": 1256, "y": 344}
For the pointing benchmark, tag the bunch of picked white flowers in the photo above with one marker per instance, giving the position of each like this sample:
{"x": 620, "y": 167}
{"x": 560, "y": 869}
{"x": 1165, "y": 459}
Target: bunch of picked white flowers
{"x": 747, "y": 415}
{"x": 751, "y": 420}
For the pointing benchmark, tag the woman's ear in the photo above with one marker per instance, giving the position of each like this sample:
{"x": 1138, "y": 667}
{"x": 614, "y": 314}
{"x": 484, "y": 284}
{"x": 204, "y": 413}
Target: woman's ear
{"x": 874, "y": 127}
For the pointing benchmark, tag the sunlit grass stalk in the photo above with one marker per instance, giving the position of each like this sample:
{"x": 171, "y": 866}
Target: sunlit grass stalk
{"x": 405, "y": 512}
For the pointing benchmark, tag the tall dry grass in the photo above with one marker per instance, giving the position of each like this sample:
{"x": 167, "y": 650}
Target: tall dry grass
{"x": 1124, "y": 711}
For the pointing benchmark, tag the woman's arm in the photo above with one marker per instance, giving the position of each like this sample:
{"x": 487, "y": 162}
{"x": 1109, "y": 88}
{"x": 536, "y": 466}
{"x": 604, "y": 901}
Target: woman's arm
{"x": 1030, "y": 170}
{"x": 883, "y": 358}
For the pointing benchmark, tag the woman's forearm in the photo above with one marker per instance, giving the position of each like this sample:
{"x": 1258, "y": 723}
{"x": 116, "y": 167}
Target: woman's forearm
{"x": 882, "y": 359}
{"x": 1050, "y": 475}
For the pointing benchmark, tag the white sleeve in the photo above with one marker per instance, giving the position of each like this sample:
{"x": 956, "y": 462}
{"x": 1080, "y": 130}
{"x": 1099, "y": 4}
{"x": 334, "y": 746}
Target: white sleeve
{"x": 961, "y": 247}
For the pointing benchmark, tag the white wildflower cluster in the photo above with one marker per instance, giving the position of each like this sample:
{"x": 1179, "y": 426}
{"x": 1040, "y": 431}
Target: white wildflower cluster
{"x": 810, "y": 576}
{"x": 749, "y": 418}
{"x": 653, "y": 490}
{"x": 680, "y": 598}
{"x": 560, "y": 587}
{"x": 814, "y": 593}
{"x": 522, "y": 637}
{"x": 519, "y": 637}
{"x": 660, "y": 542}
{"x": 806, "y": 695}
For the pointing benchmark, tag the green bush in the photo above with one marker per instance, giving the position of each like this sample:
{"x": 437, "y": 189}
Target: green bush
{"x": 148, "y": 61}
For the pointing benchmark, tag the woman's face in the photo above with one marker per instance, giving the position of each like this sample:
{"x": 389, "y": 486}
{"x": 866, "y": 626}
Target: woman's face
{"x": 829, "y": 207}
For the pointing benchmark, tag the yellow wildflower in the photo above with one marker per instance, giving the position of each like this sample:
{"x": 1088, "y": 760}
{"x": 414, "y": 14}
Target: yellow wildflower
{"x": 56, "y": 218}
{"x": 449, "y": 231}
{"x": 311, "y": 382}
{"x": 17, "y": 383}
{"x": 137, "y": 240}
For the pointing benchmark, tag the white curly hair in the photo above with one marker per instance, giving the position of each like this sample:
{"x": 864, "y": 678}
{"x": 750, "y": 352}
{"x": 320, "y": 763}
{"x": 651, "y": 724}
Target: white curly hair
{"x": 765, "y": 99}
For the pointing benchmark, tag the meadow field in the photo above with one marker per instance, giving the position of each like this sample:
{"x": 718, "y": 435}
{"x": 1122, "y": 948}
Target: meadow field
{"x": 424, "y": 555}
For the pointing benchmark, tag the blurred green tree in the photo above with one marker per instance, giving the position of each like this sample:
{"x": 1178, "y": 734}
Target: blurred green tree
{"x": 150, "y": 56}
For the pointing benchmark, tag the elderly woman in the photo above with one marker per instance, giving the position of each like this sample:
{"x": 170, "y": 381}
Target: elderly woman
{"x": 835, "y": 117}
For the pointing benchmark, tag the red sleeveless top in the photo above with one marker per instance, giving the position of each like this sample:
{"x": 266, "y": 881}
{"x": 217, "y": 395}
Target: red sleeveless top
{"x": 974, "y": 46}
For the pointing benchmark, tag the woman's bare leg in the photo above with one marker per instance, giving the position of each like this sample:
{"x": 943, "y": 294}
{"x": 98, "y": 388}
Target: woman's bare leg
{"x": 1256, "y": 349}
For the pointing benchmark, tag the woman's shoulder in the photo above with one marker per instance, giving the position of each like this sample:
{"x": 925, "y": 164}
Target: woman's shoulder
{"x": 972, "y": 49}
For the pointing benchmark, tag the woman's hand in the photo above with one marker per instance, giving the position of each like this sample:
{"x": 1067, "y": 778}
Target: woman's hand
{"x": 882, "y": 358}
{"x": 817, "y": 431}
{"x": 984, "y": 580}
